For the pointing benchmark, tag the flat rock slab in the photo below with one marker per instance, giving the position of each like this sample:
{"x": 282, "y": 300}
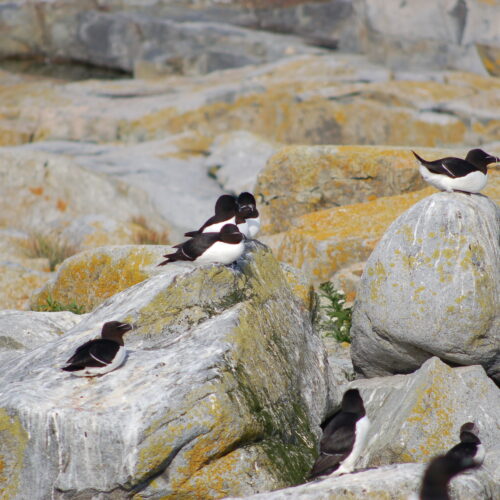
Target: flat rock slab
{"x": 222, "y": 393}
{"x": 432, "y": 288}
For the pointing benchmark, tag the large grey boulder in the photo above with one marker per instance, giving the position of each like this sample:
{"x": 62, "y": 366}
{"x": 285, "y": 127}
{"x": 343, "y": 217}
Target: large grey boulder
{"x": 432, "y": 288}
{"x": 222, "y": 393}
{"x": 413, "y": 418}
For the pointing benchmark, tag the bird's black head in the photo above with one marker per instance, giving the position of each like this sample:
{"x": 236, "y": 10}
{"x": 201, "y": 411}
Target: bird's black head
{"x": 480, "y": 158}
{"x": 114, "y": 330}
{"x": 469, "y": 433}
{"x": 230, "y": 233}
{"x": 226, "y": 205}
{"x": 247, "y": 206}
{"x": 352, "y": 402}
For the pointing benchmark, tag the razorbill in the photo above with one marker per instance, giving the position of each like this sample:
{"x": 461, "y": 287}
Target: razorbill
{"x": 343, "y": 438}
{"x": 223, "y": 247}
{"x": 454, "y": 174}
{"x": 225, "y": 213}
{"x": 247, "y": 207}
{"x": 100, "y": 356}
{"x": 469, "y": 453}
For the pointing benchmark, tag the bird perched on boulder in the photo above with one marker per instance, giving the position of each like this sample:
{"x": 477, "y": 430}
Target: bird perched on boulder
{"x": 247, "y": 207}
{"x": 100, "y": 356}
{"x": 343, "y": 439}
{"x": 467, "y": 454}
{"x": 454, "y": 174}
{"x": 223, "y": 247}
{"x": 226, "y": 212}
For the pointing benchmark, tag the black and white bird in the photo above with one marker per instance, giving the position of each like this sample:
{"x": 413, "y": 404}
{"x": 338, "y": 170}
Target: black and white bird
{"x": 343, "y": 439}
{"x": 454, "y": 174}
{"x": 225, "y": 213}
{"x": 247, "y": 207}
{"x": 223, "y": 247}
{"x": 467, "y": 454}
{"x": 100, "y": 356}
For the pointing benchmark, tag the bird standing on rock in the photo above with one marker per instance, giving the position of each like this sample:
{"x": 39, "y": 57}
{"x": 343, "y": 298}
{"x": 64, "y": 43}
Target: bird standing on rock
{"x": 343, "y": 438}
{"x": 220, "y": 248}
{"x": 454, "y": 174}
{"x": 100, "y": 356}
{"x": 468, "y": 454}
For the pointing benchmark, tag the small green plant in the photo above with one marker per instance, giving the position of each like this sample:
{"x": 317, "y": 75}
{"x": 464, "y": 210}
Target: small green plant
{"x": 52, "y": 305}
{"x": 338, "y": 322}
{"x": 48, "y": 246}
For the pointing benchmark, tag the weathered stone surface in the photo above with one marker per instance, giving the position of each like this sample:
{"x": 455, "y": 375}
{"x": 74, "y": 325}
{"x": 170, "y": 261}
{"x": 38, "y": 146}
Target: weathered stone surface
{"x": 26, "y": 330}
{"x": 89, "y": 278}
{"x": 321, "y": 243}
{"x": 428, "y": 33}
{"x": 439, "y": 263}
{"x": 40, "y": 190}
{"x": 415, "y": 417}
{"x": 222, "y": 393}
{"x": 392, "y": 482}
{"x": 236, "y": 158}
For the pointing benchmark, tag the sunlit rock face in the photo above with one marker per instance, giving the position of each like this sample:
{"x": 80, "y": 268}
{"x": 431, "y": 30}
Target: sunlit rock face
{"x": 222, "y": 392}
{"x": 431, "y": 288}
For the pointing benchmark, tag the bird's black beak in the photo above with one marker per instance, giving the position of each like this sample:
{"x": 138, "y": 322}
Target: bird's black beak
{"x": 493, "y": 159}
{"x": 245, "y": 210}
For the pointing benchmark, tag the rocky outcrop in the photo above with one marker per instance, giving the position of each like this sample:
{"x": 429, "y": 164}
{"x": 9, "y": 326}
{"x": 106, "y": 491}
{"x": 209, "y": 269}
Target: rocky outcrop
{"x": 222, "y": 393}
{"x": 431, "y": 288}
{"x": 413, "y": 418}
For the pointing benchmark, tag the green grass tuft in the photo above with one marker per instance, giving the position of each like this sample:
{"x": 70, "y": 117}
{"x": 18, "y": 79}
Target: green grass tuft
{"x": 339, "y": 317}
{"x": 51, "y": 247}
{"x": 52, "y": 305}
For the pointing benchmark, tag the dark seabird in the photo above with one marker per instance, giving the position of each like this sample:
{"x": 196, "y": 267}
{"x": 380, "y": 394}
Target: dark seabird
{"x": 222, "y": 248}
{"x": 225, "y": 213}
{"x": 343, "y": 439}
{"x": 468, "y": 454}
{"x": 454, "y": 174}
{"x": 247, "y": 207}
{"x": 100, "y": 356}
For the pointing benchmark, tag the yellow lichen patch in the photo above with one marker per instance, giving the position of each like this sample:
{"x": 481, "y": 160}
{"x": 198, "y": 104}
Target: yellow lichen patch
{"x": 325, "y": 241}
{"x": 13, "y": 442}
{"x": 91, "y": 277}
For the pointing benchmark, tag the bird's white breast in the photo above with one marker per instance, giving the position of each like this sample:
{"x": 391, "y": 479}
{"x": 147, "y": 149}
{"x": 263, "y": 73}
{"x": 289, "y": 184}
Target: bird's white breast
{"x": 471, "y": 183}
{"x": 222, "y": 253}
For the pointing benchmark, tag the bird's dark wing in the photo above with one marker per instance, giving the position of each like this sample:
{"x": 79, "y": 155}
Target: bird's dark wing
{"x": 104, "y": 350}
{"x": 81, "y": 352}
{"x": 336, "y": 444}
{"x": 449, "y": 166}
{"x": 191, "y": 249}
{"x": 82, "y": 356}
{"x": 213, "y": 220}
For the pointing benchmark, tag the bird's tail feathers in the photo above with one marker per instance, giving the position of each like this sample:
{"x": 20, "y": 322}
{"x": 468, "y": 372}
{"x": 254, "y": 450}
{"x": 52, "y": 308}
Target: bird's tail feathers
{"x": 419, "y": 158}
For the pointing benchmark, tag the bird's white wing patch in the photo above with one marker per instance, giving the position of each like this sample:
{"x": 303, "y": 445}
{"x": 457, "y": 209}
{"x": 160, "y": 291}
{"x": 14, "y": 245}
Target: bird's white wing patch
{"x": 448, "y": 170}
{"x": 98, "y": 360}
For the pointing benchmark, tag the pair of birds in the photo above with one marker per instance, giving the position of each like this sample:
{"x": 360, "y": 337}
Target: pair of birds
{"x": 345, "y": 435}
{"x": 221, "y": 238}
{"x": 454, "y": 174}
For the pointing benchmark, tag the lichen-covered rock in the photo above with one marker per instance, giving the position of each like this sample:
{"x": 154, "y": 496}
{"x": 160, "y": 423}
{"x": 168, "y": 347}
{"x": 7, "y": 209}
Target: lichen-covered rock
{"x": 222, "y": 393}
{"x": 89, "y": 278}
{"x": 323, "y": 242}
{"x": 413, "y": 418}
{"x": 432, "y": 288}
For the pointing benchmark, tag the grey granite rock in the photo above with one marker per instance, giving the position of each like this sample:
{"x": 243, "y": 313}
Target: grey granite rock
{"x": 25, "y": 330}
{"x": 432, "y": 288}
{"x": 222, "y": 393}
